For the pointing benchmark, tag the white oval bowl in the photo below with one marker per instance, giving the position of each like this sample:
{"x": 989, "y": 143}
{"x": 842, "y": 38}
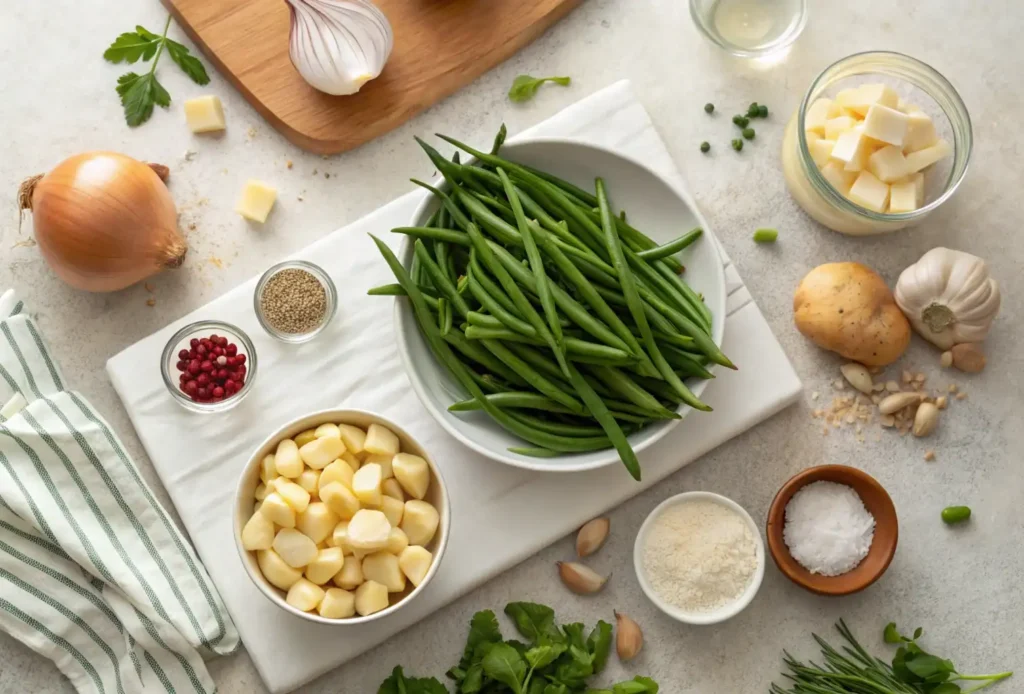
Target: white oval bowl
{"x": 654, "y": 206}
{"x": 699, "y": 618}
{"x": 437, "y": 495}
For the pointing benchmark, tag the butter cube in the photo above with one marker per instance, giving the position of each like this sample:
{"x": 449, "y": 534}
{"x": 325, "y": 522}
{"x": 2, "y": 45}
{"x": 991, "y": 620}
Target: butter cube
{"x": 923, "y": 158}
{"x": 840, "y": 178}
{"x": 903, "y": 197}
{"x": 256, "y": 201}
{"x": 886, "y": 125}
{"x": 834, "y": 127}
{"x": 204, "y": 114}
{"x": 868, "y": 95}
{"x": 888, "y": 164}
{"x": 867, "y": 191}
{"x": 852, "y": 148}
{"x": 821, "y": 150}
{"x": 920, "y": 132}
{"x": 816, "y": 116}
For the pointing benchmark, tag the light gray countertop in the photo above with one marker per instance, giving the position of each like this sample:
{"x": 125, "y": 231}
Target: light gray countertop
{"x": 962, "y": 585}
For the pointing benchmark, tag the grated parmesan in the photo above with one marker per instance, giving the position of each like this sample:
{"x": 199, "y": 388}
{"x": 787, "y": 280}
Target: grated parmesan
{"x": 700, "y": 556}
{"x": 828, "y": 530}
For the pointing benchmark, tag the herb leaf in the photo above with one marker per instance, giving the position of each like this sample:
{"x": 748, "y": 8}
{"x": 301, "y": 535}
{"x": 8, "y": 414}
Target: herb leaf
{"x": 187, "y": 62}
{"x": 138, "y": 94}
{"x": 540, "y": 657}
{"x": 399, "y": 684}
{"x": 525, "y": 87}
{"x": 504, "y": 664}
{"x": 891, "y": 635}
{"x": 535, "y": 622}
{"x": 599, "y": 643}
{"x": 131, "y": 46}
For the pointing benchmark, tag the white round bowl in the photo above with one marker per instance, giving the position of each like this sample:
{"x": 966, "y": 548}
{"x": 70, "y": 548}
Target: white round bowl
{"x": 653, "y": 205}
{"x": 726, "y": 611}
{"x": 437, "y": 495}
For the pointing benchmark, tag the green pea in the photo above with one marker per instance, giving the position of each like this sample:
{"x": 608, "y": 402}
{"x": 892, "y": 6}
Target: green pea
{"x": 762, "y": 111}
{"x": 709, "y": 107}
{"x": 754, "y": 110}
{"x": 705, "y": 146}
{"x": 956, "y": 514}
{"x": 740, "y": 120}
{"x": 737, "y": 144}
{"x": 748, "y": 133}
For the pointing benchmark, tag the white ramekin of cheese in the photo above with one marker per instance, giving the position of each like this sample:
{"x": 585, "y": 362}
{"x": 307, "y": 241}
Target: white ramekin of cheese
{"x": 879, "y": 141}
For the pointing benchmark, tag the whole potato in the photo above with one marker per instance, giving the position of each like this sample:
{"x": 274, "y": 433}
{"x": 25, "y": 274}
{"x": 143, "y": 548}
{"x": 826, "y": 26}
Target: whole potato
{"x": 847, "y": 308}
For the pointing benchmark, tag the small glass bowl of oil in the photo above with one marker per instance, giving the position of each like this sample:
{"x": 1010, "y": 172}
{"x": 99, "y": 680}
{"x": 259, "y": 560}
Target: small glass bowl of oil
{"x": 750, "y": 28}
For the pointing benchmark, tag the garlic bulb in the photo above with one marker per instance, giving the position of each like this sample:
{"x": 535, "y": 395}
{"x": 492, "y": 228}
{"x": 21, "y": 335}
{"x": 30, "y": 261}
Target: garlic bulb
{"x": 338, "y": 45}
{"x": 948, "y": 297}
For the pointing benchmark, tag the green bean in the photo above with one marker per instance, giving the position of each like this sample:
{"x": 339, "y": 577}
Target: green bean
{"x": 578, "y": 350}
{"x": 623, "y": 385}
{"x": 681, "y": 361}
{"x": 540, "y": 361}
{"x": 611, "y": 427}
{"x": 634, "y": 304}
{"x": 673, "y": 338}
{"x": 531, "y": 375}
{"x": 441, "y": 253}
{"x": 499, "y": 140}
{"x": 486, "y": 382}
{"x": 485, "y": 320}
{"x": 444, "y": 316}
{"x": 495, "y": 301}
{"x": 557, "y": 427}
{"x": 513, "y": 400}
{"x": 689, "y": 296}
{"x": 492, "y": 223}
{"x": 534, "y": 452}
{"x": 481, "y": 356}
{"x": 386, "y": 290}
{"x": 438, "y": 234}
{"x": 476, "y": 332}
{"x": 637, "y": 240}
{"x": 440, "y": 279}
{"x": 670, "y": 248}
{"x": 447, "y": 169}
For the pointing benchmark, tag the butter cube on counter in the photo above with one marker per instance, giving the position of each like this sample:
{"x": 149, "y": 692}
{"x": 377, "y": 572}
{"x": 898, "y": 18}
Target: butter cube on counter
{"x": 886, "y": 125}
{"x": 903, "y": 197}
{"x": 867, "y": 191}
{"x": 257, "y": 200}
{"x": 204, "y": 114}
{"x": 920, "y": 132}
{"x": 817, "y": 116}
{"x": 924, "y": 158}
{"x": 888, "y": 164}
{"x": 840, "y": 178}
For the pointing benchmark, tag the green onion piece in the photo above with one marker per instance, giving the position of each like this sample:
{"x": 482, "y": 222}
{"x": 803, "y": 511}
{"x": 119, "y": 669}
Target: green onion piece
{"x": 766, "y": 235}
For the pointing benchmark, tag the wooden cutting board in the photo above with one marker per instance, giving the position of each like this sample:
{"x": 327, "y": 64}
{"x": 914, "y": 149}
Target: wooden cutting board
{"x": 440, "y": 46}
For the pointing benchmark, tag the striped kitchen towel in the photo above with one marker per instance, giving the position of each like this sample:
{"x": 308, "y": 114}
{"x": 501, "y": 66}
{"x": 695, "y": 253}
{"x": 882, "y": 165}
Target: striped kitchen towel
{"x": 93, "y": 573}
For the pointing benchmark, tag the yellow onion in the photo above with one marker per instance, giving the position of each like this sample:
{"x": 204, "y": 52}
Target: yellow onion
{"x": 104, "y": 221}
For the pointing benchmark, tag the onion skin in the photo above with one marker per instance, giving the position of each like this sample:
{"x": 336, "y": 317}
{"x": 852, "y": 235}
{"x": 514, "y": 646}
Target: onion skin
{"x": 104, "y": 221}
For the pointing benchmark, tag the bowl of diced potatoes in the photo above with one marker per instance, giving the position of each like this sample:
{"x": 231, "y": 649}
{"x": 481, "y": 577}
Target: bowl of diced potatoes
{"x": 341, "y": 517}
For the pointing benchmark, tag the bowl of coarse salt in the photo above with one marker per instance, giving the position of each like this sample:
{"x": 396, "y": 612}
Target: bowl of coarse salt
{"x": 699, "y": 558}
{"x": 833, "y": 530}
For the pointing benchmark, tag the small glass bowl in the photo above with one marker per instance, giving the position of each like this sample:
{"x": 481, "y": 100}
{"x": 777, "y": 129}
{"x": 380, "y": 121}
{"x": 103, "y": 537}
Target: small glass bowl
{"x": 329, "y": 289}
{"x": 750, "y": 28}
{"x": 180, "y": 340}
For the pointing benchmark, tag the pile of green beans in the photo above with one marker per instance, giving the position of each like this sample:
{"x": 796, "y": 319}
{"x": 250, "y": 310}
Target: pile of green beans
{"x": 568, "y": 326}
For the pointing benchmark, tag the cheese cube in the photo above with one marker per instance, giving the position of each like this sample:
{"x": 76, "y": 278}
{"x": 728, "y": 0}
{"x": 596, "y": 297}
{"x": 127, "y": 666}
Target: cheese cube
{"x": 816, "y": 116}
{"x": 351, "y": 575}
{"x": 256, "y": 201}
{"x": 838, "y": 177}
{"x": 287, "y": 460}
{"x": 393, "y": 509}
{"x": 340, "y": 499}
{"x": 903, "y": 196}
{"x": 886, "y": 125}
{"x": 276, "y": 571}
{"x": 846, "y": 98}
{"x": 296, "y": 549}
{"x": 353, "y": 437}
{"x": 920, "y": 132}
{"x": 834, "y": 127}
{"x": 277, "y": 510}
{"x": 304, "y": 595}
{"x": 305, "y": 437}
{"x": 835, "y": 109}
{"x": 366, "y": 484}
{"x": 317, "y": 522}
{"x": 325, "y": 566}
{"x": 369, "y": 530}
{"x": 258, "y": 533}
{"x": 380, "y": 439}
{"x": 294, "y": 495}
{"x": 869, "y": 95}
{"x": 419, "y": 522}
{"x": 337, "y": 604}
{"x": 923, "y": 158}
{"x": 338, "y": 471}
{"x": 413, "y": 473}
{"x": 382, "y": 567}
{"x": 318, "y": 453}
{"x": 397, "y": 542}
{"x": 415, "y": 563}
{"x": 371, "y": 597}
{"x": 204, "y": 114}
{"x": 888, "y": 164}
{"x": 852, "y": 149}
{"x": 821, "y": 150}
{"x": 867, "y": 191}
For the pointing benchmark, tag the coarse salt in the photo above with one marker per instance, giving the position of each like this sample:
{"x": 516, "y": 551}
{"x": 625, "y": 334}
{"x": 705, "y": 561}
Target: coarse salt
{"x": 828, "y": 530}
{"x": 700, "y": 556}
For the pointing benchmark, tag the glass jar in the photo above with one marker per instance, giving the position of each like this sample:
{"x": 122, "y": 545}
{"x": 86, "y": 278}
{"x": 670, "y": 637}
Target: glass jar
{"x": 916, "y": 83}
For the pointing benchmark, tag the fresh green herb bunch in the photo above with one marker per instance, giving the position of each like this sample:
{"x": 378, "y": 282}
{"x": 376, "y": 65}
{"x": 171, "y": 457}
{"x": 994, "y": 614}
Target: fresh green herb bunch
{"x": 139, "y": 93}
{"x": 855, "y": 671}
{"x": 553, "y": 659}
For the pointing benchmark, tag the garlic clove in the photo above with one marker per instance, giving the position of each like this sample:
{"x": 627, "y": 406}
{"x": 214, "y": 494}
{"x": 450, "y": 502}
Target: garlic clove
{"x": 591, "y": 536}
{"x": 629, "y": 638}
{"x": 926, "y": 419}
{"x": 579, "y": 578}
{"x": 858, "y": 377}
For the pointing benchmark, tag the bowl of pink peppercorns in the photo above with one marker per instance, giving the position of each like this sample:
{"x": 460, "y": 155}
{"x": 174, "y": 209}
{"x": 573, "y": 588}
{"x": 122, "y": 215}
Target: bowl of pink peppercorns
{"x": 209, "y": 366}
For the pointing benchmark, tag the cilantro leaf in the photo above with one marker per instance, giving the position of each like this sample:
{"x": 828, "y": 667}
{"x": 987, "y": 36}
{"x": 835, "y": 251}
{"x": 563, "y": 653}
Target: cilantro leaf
{"x": 525, "y": 87}
{"x": 398, "y": 683}
{"x": 139, "y": 93}
{"x": 540, "y": 657}
{"x": 187, "y": 62}
{"x": 131, "y": 46}
{"x": 535, "y": 622}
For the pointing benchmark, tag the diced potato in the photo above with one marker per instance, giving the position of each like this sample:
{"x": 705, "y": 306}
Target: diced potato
{"x": 337, "y": 604}
{"x": 328, "y": 562}
{"x": 261, "y": 492}
{"x": 268, "y": 470}
{"x": 840, "y": 178}
{"x": 327, "y": 429}
{"x": 353, "y": 437}
{"x": 351, "y": 459}
{"x": 294, "y": 495}
{"x": 869, "y": 192}
{"x": 340, "y": 499}
{"x": 368, "y": 530}
{"x": 305, "y": 437}
{"x": 834, "y": 127}
{"x": 276, "y": 571}
{"x": 351, "y": 575}
{"x": 393, "y": 509}
{"x": 415, "y": 563}
{"x": 419, "y": 522}
{"x": 366, "y": 484}
{"x": 338, "y": 471}
{"x": 384, "y": 461}
{"x": 923, "y": 158}
{"x": 817, "y": 114}
{"x": 397, "y": 541}
{"x": 287, "y": 460}
{"x": 339, "y": 537}
{"x": 886, "y": 125}
{"x": 371, "y": 597}
{"x": 382, "y": 567}
{"x": 317, "y": 522}
{"x": 309, "y": 480}
{"x": 392, "y": 488}
{"x": 294, "y": 548}
{"x": 278, "y": 511}
{"x": 413, "y": 473}
{"x": 318, "y": 453}
{"x": 304, "y": 595}
{"x": 380, "y": 439}
{"x": 888, "y": 164}
{"x": 258, "y": 532}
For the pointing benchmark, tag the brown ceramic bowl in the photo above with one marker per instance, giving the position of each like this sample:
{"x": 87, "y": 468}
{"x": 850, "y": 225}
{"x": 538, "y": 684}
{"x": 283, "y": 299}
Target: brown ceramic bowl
{"x": 883, "y": 547}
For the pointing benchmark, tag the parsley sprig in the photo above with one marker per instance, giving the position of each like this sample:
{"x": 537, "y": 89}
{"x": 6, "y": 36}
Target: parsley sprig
{"x": 139, "y": 93}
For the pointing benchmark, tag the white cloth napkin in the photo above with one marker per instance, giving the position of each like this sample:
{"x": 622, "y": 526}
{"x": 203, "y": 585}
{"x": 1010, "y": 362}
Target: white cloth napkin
{"x": 93, "y": 573}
